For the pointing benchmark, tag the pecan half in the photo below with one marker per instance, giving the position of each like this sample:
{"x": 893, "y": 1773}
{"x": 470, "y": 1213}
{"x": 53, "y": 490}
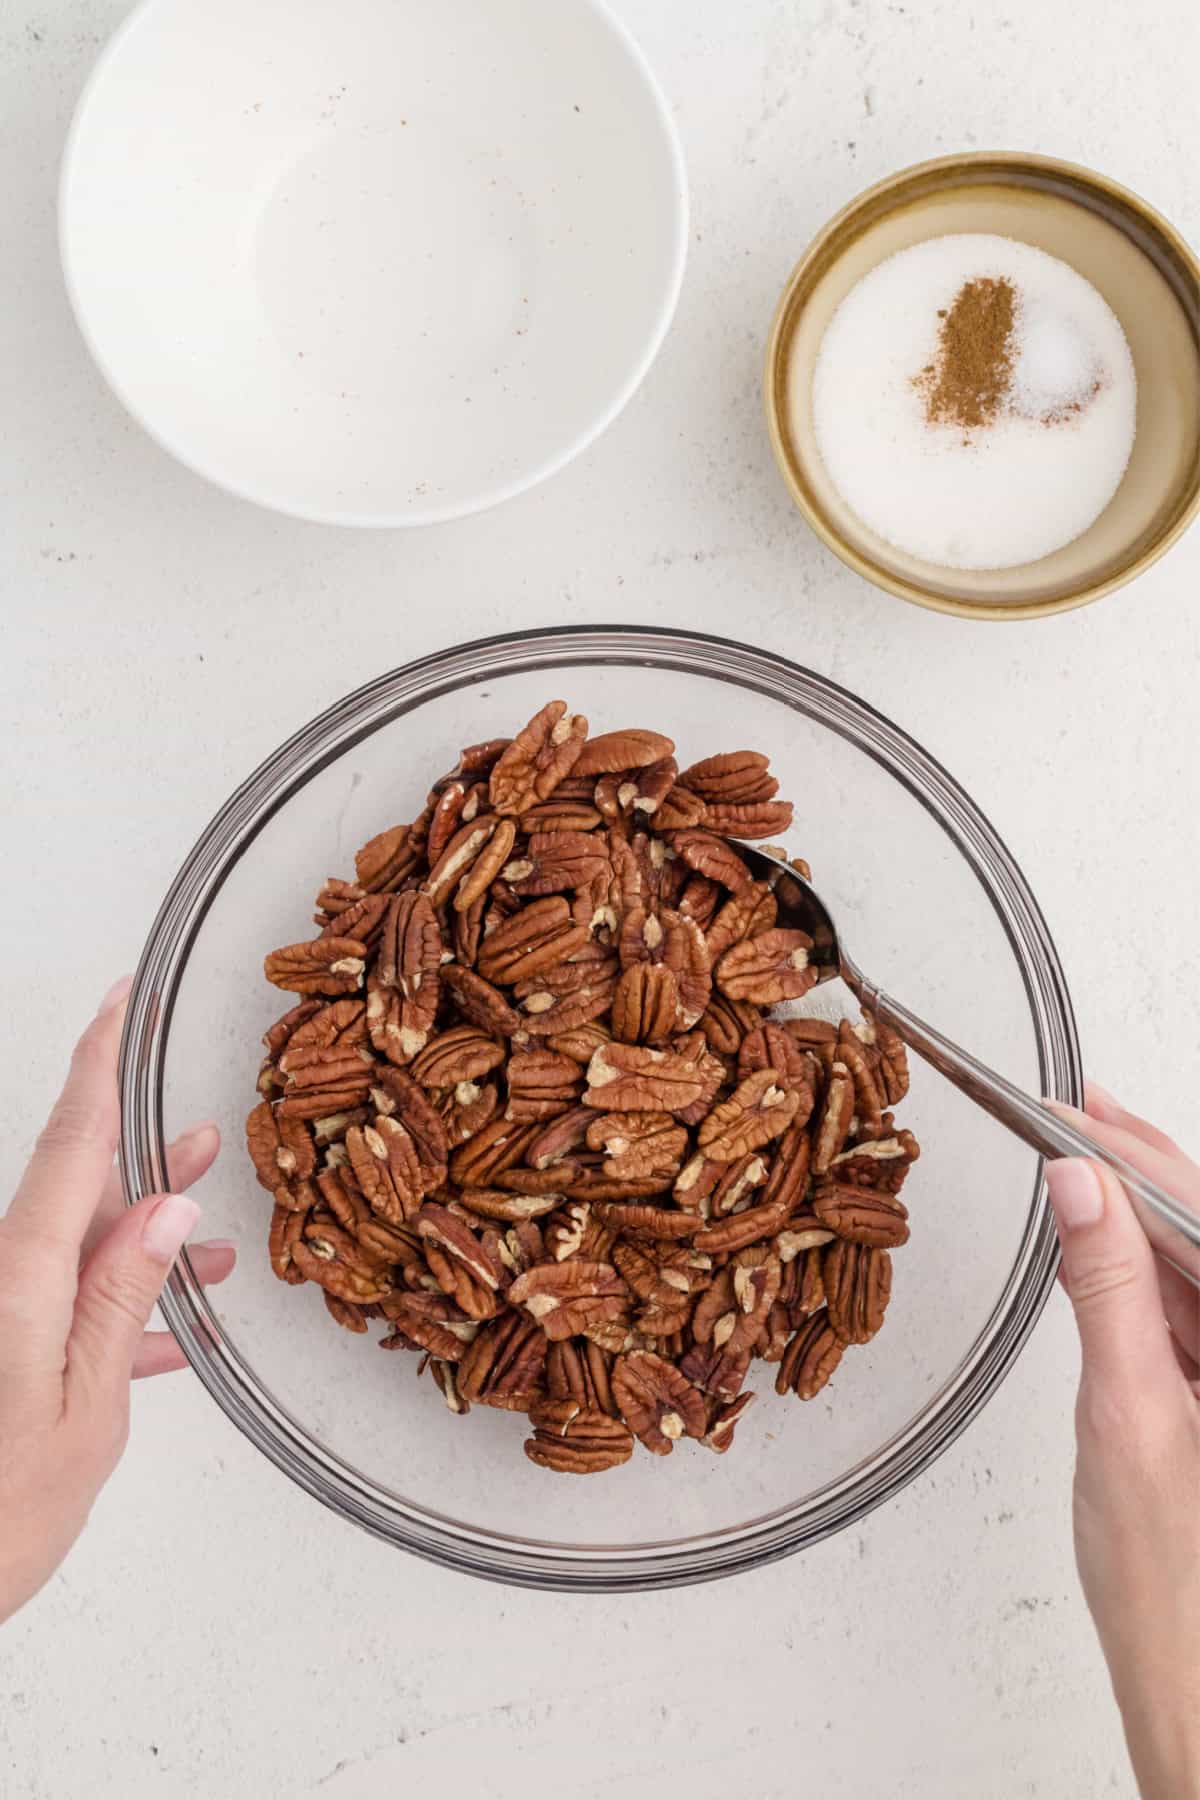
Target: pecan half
{"x": 631, "y": 1078}
{"x": 736, "y": 775}
{"x": 402, "y": 997}
{"x": 862, "y": 1215}
{"x": 810, "y": 1359}
{"x": 748, "y": 818}
{"x": 658, "y": 1404}
{"x": 567, "y": 1297}
{"x": 645, "y": 1006}
{"x": 757, "y": 1111}
{"x": 858, "y": 1286}
{"x": 576, "y": 1440}
{"x": 541, "y": 755}
{"x": 712, "y": 856}
{"x": 329, "y": 965}
{"x": 638, "y": 1146}
{"x": 616, "y": 750}
{"x": 768, "y": 968}
{"x": 723, "y": 1422}
{"x": 537, "y": 937}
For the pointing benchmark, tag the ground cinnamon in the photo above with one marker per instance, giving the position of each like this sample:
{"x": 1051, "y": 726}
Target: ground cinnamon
{"x": 968, "y": 381}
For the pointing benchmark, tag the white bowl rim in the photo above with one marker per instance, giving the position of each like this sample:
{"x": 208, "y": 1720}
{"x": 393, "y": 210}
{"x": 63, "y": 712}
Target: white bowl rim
{"x": 411, "y": 516}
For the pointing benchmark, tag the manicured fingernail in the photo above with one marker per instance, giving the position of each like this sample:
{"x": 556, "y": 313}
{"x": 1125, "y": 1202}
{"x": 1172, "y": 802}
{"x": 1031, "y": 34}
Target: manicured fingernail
{"x": 217, "y": 1244}
{"x": 195, "y": 1131}
{"x": 1100, "y": 1100}
{"x": 1075, "y": 1192}
{"x": 166, "y": 1228}
{"x": 116, "y": 994}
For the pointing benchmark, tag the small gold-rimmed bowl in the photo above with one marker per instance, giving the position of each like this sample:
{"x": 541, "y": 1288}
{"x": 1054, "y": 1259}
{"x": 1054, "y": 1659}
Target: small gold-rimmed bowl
{"x": 1138, "y": 262}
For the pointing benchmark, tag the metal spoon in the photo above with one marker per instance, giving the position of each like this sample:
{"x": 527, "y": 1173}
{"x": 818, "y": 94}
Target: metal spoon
{"x": 1173, "y": 1229}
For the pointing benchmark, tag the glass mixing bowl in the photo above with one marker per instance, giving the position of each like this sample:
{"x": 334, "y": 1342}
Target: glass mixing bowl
{"x": 932, "y": 904}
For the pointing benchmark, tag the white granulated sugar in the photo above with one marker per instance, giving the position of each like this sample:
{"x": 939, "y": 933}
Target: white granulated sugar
{"x": 1006, "y": 492}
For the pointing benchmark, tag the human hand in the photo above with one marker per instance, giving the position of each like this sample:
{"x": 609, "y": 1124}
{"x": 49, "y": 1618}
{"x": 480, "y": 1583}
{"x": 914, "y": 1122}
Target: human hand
{"x": 79, "y": 1276}
{"x": 1137, "y": 1421}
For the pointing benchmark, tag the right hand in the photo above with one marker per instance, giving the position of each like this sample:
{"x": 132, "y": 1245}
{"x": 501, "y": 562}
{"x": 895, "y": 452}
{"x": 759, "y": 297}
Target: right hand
{"x": 1137, "y": 1422}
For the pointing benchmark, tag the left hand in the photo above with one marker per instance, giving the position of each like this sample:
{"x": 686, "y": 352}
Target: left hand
{"x": 79, "y": 1277}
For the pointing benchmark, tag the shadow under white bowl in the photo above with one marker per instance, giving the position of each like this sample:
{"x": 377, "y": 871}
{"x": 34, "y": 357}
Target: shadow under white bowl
{"x": 382, "y": 263}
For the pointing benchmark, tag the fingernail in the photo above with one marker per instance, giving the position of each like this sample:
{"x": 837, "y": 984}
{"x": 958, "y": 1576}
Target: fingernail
{"x": 167, "y": 1227}
{"x": 1075, "y": 1192}
{"x": 217, "y": 1244}
{"x": 1099, "y": 1099}
{"x": 195, "y": 1131}
{"x": 115, "y": 994}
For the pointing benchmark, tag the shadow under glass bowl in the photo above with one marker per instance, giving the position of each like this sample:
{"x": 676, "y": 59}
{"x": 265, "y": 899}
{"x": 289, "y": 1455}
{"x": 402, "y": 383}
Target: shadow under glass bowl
{"x": 932, "y": 903}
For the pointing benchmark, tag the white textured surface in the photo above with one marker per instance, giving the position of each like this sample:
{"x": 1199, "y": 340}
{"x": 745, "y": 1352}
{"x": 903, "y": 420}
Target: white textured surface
{"x": 216, "y": 1634}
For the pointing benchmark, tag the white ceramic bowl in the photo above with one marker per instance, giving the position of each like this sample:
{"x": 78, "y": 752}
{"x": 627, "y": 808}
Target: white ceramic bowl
{"x": 375, "y": 263}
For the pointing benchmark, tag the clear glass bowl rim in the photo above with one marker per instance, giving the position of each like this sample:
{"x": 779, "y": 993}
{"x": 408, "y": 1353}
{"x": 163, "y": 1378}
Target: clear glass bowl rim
{"x": 279, "y": 1435}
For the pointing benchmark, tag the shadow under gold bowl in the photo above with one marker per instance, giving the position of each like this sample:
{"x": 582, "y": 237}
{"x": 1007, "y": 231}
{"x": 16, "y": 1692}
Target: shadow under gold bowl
{"x": 1148, "y": 276}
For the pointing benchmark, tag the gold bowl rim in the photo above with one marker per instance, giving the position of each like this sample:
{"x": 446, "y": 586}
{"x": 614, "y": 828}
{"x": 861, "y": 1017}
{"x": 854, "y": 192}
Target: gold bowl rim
{"x": 1004, "y": 162}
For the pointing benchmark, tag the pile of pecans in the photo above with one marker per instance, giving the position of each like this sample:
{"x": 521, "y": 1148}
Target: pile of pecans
{"x": 532, "y": 1109}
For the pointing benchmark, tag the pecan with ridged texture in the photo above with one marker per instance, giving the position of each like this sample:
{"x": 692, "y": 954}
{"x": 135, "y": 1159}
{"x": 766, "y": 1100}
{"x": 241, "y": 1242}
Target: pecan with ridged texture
{"x": 464, "y": 1053}
{"x": 481, "y": 1003}
{"x": 287, "y": 1230}
{"x": 771, "y": 967}
{"x": 868, "y": 1093}
{"x": 862, "y": 1215}
{"x": 680, "y": 809}
{"x": 645, "y": 1005}
{"x": 538, "y": 936}
{"x": 810, "y": 1359}
{"x": 581, "y": 1372}
{"x": 832, "y": 1126}
{"x": 722, "y": 1422}
{"x": 654, "y": 1222}
{"x": 891, "y": 1056}
{"x": 757, "y": 1111}
{"x": 632, "y": 1078}
{"x": 542, "y": 754}
{"x": 556, "y": 862}
{"x": 500, "y": 1145}
{"x": 362, "y": 920}
{"x": 638, "y": 1146}
{"x": 734, "y": 776}
{"x": 712, "y": 856}
{"x": 748, "y": 818}
{"x": 567, "y": 1297}
{"x": 430, "y": 1322}
{"x": 616, "y": 750}
{"x": 389, "y": 858}
{"x": 541, "y": 1084}
{"x": 504, "y": 1364}
{"x": 658, "y": 1404}
{"x": 858, "y": 1286}
{"x": 402, "y": 995}
{"x": 770, "y": 1046}
{"x": 725, "y": 1023}
{"x": 387, "y": 1168}
{"x": 281, "y": 1149}
{"x": 881, "y": 1163}
{"x": 576, "y": 1440}
{"x": 328, "y": 965}
{"x": 335, "y": 1261}
{"x": 498, "y": 1203}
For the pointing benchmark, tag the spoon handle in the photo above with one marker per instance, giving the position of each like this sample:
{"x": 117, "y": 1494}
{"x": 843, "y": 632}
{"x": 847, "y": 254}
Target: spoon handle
{"x": 1172, "y": 1228}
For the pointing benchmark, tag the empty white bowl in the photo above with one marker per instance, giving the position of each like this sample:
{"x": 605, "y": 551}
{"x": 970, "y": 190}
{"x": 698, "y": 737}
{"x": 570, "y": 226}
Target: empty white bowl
{"x": 375, "y": 263}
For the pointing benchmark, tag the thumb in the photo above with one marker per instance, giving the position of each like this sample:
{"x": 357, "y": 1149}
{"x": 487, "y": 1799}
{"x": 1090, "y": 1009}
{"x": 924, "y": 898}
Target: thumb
{"x": 118, "y": 1288}
{"x": 1110, "y": 1275}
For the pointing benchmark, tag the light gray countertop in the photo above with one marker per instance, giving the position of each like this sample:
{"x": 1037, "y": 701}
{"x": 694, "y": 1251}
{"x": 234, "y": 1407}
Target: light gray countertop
{"x": 218, "y": 1634}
